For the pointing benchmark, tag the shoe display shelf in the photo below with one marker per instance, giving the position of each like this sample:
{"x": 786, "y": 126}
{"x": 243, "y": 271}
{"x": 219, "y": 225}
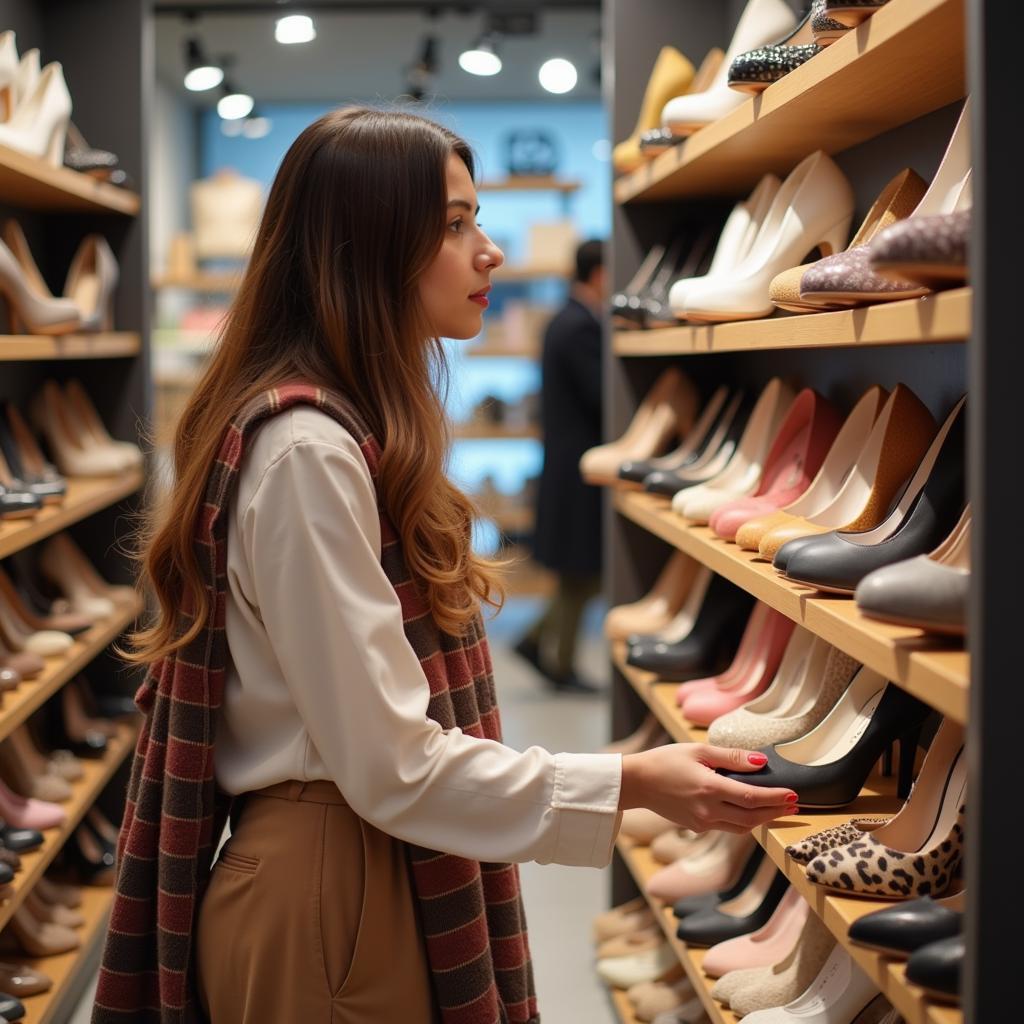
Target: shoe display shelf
{"x": 211, "y": 282}
{"x": 18, "y": 704}
{"x": 905, "y": 61}
{"x": 32, "y": 183}
{"x": 96, "y": 774}
{"x": 529, "y": 183}
{"x": 105, "y": 345}
{"x": 886, "y": 92}
{"x": 934, "y": 669}
{"x": 495, "y": 432}
{"x": 102, "y": 49}
{"x": 838, "y": 912}
{"x": 943, "y": 317}
{"x": 70, "y": 971}
{"x": 85, "y": 496}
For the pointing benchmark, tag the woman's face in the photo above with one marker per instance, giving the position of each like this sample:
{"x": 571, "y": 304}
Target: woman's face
{"x": 453, "y": 289}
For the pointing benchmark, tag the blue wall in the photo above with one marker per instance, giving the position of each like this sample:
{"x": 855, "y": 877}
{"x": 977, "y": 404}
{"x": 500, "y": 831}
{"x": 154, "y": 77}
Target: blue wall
{"x": 576, "y": 126}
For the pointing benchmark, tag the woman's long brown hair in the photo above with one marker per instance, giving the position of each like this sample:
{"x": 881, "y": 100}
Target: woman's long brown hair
{"x": 355, "y": 214}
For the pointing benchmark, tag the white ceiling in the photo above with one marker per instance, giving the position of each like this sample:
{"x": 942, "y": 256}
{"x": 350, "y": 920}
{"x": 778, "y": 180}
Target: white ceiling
{"x": 361, "y": 55}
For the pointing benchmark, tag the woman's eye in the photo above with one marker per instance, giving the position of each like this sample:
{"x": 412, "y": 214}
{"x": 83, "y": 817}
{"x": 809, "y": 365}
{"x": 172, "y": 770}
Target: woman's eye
{"x": 456, "y": 226}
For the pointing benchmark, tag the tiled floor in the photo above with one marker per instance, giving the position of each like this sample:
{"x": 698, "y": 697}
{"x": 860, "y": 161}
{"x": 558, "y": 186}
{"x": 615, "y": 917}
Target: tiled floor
{"x": 560, "y": 902}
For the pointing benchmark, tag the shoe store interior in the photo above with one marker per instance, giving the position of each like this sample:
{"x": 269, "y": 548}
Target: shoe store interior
{"x": 639, "y": 368}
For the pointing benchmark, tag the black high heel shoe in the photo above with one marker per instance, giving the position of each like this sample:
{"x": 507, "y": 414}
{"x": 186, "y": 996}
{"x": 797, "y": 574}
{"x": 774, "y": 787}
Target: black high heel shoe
{"x": 708, "y": 901}
{"x": 46, "y": 484}
{"x": 626, "y": 305}
{"x": 829, "y": 765}
{"x": 92, "y": 860}
{"x": 711, "y": 640}
{"x": 720, "y": 450}
{"x": 938, "y": 968}
{"x": 693, "y": 261}
{"x": 728, "y": 920}
{"x": 924, "y": 516}
{"x": 20, "y": 840}
{"x": 694, "y": 447}
{"x": 90, "y": 743}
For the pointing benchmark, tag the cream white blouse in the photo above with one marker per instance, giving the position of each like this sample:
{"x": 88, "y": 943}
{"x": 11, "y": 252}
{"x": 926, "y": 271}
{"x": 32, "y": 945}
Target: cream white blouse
{"x": 324, "y": 685}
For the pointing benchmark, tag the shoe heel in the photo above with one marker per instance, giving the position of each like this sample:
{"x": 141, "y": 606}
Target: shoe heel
{"x": 908, "y": 755}
{"x": 887, "y": 759}
{"x": 835, "y": 239}
{"x": 55, "y": 149}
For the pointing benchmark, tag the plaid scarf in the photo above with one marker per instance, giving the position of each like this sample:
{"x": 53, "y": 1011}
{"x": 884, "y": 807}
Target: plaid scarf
{"x": 471, "y": 914}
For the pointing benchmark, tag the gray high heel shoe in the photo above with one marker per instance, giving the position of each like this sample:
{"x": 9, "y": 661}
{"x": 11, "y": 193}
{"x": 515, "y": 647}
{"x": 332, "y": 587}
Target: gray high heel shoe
{"x": 929, "y": 592}
{"x": 32, "y": 307}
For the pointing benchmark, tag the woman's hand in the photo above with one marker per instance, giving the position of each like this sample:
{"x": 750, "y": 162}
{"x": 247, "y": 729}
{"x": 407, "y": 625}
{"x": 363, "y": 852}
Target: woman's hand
{"x": 679, "y": 782}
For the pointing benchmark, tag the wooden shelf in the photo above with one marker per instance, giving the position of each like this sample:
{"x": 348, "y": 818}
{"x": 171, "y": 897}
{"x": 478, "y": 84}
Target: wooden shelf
{"x": 641, "y": 866}
{"x": 67, "y": 970}
{"x": 837, "y": 912}
{"x": 623, "y": 1007}
{"x": 905, "y": 61}
{"x": 97, "y": 773}
{"x": 935, "y": 670}
{"x": 525, "y": 183}
{"x": 221, "y": 282}
{"x": 30, "y": 182}
{"x": 85, "y": 496}
{"x": 497, "y": 352}
{"x": 30, "y": 695}
{"x": 495, "y": 432}
{"x": 107, "y": 345}
{"x": 944, "y": 317}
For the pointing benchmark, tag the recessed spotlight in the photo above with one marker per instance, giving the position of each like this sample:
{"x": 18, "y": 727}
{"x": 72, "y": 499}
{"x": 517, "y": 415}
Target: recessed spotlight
{"x": 201, "y": 74}
{"x": 295, "y": 28}
{"x": 481, "y": 58}
{"x": 234, "y": 105}
{"x": 558, "y": 75}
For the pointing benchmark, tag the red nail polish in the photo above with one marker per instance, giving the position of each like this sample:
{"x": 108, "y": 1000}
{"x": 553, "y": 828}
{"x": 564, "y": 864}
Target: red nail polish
{"x": 792, "y": 797}
{"x": 758, "y": 759}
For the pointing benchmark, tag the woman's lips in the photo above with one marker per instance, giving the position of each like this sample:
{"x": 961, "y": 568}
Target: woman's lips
{"x": 481, "y": 300}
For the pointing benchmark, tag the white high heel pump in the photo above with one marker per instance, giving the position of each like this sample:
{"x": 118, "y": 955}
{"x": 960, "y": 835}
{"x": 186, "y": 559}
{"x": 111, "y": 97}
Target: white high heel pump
{"x": 741, "y": 476}
{"x": 39, "y": 123}
{"x": 762, "y": 21}
{"x": 734, "y": 243}
{"x": 813, "y": 208}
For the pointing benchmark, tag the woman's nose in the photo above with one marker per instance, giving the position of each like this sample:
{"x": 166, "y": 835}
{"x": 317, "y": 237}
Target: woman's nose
{"x": 491, "y": 257}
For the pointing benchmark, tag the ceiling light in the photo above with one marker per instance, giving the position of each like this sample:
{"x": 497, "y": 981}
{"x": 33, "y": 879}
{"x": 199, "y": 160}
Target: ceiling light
{"x": 201, "y": 74}
{"x": 233, "y": 104}
{"x": 558, "y": 75}
{"x": 295, "y": 28}
{"x": 482, "y": 58}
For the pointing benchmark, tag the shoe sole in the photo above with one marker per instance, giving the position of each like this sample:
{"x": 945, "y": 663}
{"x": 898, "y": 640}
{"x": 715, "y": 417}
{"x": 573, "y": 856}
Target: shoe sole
{"x": 895, "y": 620}
{"x": 933, "y": 275}
{"x": 848, "y": 300}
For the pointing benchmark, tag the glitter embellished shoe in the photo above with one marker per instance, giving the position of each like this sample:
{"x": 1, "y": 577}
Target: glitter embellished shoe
{"x": 755, "y": 70}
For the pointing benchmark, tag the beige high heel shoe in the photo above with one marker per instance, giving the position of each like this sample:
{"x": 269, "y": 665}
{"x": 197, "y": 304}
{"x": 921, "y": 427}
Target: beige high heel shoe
{"x": 92, "y": 278}
{"x": 668, "y": 411}
{"x": 84, "y": 412}
{"x": 32, "y": 307}
{"x": 24, "y": 769}
{"x": 62, "y": 562}
{"x": 656, "y": 610}
{"x": 75, "y": 452}
{"x": 47, "y": 643}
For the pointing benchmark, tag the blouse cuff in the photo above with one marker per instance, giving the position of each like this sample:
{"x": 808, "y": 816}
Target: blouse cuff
{"x": 586, "y": 799}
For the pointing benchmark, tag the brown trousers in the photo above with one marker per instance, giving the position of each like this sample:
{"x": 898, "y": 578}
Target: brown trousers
{"x": 309, "y": 916}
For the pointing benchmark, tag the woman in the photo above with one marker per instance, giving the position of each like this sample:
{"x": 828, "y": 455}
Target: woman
{"x": 318, "y": 653}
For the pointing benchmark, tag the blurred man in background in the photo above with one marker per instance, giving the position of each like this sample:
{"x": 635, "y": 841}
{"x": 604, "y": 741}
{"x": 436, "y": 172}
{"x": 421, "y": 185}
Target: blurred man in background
{"x": 567, "y": 539}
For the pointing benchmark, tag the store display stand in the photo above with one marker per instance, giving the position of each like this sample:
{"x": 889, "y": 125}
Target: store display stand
{"x": 921, "y": 56}
{"x": 103, "y": 48}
